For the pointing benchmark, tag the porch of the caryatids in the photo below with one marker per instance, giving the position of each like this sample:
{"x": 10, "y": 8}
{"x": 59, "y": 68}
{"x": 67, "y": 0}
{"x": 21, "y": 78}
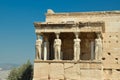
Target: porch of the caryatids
{"x": 38, "y": 47}
{"x": 57, "y": 47}
{"x": 98, "y": 47}
{"x": 77, "y": 47}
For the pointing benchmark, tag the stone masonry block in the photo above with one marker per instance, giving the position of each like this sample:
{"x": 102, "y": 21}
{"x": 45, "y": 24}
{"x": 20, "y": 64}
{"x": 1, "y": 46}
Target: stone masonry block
{"x": 56, "y": 71}
{"x": 41, "y": 71}
{"x": 90, "y": 74}
{"x": 72, "y": 71}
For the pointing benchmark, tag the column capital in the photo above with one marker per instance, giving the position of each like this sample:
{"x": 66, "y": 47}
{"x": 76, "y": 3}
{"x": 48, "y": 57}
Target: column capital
{"x": 39, "y": 35}
{"x": 76, "y": 34}
{"x": 99, "y": 34}
{"x": 57, "y": 34}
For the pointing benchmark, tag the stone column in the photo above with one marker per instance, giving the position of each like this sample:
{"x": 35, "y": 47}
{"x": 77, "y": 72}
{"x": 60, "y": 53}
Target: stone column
{"x": 46, "y": 48}
{"x": 57, "y": 47}
{"x": 45, "y": 51}
{"x": 38, "y": 48}
{"x": 77, "y": 47}
{"x": 98, "y": 47}
{"x": 92, "y": 50}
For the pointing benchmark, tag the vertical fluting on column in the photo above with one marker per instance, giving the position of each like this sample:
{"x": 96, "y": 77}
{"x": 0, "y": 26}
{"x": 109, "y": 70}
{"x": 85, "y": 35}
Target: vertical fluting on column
{"x": 92, "y": 50}
{"x": 98, "y": 47}
{"x": 46, "y": 48}
{"x": 38, "y": 47}
{"x": 57, "y": 47}
{"x": 77, "y": 47}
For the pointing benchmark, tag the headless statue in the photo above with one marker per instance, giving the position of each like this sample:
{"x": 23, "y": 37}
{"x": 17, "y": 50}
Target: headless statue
{"x": 38, "y": 48}
{"x": 57, "y": 48}
{"x": 98, "y": 48}
{"x": 77, "y": 48}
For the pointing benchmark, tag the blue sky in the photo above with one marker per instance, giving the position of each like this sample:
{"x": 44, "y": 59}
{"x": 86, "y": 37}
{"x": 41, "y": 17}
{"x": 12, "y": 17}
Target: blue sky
{"x": 17, "y": 33}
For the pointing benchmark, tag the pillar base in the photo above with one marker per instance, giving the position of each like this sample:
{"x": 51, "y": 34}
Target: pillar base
{"x": 67, "y": 70}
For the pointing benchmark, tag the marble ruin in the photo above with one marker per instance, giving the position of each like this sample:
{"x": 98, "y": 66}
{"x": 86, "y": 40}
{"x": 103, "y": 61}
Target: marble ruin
{"x": 78, "y": 46}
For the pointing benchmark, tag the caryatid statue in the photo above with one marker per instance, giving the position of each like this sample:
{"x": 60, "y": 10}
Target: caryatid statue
{"x": 77, "y": 48}
{"x": 57, "y": 47}
{"x": 98, "y": 47}
{"x": 38, "y": 47}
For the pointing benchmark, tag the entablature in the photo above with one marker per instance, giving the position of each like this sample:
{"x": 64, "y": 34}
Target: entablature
{"x": 70, "y": 27}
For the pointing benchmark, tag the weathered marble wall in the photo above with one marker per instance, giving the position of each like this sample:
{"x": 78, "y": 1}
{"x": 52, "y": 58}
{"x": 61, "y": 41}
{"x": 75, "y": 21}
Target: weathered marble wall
{"x": 108, "y": 69}
{"x": 67, "y": 70}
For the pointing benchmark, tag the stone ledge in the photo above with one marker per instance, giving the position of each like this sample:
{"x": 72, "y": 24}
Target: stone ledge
{"x": 68, "y": 61}
{"x": 85, "y": 13}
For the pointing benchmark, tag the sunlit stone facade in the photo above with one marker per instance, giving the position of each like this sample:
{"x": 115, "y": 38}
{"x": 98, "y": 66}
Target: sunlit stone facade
{"x": 78, "y": 46}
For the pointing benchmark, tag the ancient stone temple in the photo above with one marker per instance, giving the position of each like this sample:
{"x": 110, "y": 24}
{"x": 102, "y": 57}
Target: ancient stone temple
{"x": 78, "y": 46}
